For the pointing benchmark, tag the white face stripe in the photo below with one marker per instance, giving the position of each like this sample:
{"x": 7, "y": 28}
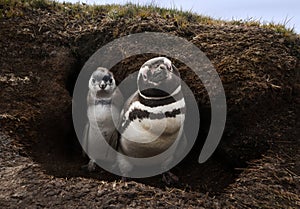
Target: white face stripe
{"x": 158, "y": 98}
{"x": 142, "y": 71}
{"x": 168, "y": 62}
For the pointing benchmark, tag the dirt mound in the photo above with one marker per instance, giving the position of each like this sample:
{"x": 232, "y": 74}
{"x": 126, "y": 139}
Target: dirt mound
{"x": 256, "y": 165}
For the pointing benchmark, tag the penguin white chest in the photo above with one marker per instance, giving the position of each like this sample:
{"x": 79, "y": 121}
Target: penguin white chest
{"x": 100, "y": 117}
{"x": 161, "y": 126}
{"x": 99, "y": 113}
{"x": 149, "y": 130}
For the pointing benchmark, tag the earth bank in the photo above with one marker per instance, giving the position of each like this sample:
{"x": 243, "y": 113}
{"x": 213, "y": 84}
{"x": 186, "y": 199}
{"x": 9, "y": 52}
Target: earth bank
{"x": 256, "y": 165}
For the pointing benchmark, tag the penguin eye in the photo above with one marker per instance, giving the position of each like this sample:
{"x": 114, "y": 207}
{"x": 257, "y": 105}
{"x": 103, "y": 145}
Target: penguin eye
{"x": 145, "y": 77}
{"x": 110, "y": 80}
{"x": 93, "y": 80}
{"x": 106, "y": 78}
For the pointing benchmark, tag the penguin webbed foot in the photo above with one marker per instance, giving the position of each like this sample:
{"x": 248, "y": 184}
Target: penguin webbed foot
{"x": 90, "y": 167}
{"x": 169, "y": 178}
{"x": 125, "y": 179}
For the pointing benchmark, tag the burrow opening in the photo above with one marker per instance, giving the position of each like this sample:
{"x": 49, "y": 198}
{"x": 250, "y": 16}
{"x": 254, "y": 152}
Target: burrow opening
{"x": 59, "y": 153}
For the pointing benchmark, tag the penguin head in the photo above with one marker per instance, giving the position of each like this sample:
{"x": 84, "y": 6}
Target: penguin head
{"x": 102, "y": 81}
{"x": 158, "y": 78}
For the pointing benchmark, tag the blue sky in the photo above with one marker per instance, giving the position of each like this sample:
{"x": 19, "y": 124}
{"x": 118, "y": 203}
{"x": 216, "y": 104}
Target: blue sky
{"x": 278, "y": 11}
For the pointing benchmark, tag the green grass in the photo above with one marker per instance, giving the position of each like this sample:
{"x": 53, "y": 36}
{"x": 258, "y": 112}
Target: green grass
{"x": 13, "y": 8}
{"x": 277, "y": 27}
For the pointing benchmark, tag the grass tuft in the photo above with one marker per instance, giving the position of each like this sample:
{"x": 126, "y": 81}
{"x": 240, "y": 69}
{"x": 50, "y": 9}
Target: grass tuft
{"x": 15, "y": 8}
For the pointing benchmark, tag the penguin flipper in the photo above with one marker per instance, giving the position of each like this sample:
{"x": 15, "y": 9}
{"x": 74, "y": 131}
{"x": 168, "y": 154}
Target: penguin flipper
{"x": 113, "y": 141}
{"x": 85, "y": 137}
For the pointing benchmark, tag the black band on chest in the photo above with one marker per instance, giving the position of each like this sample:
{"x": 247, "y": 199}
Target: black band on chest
{"x": 138, "y": 114}
{"x": 141, "y": 114}
{"x": 103, "y": 102}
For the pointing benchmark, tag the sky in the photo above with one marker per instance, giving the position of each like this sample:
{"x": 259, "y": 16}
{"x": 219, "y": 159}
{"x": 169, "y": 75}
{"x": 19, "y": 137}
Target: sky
{"x": 278, "y": 11}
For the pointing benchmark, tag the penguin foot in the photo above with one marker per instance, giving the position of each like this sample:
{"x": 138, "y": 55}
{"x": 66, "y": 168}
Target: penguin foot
{"x": 169, "y": 178}
{"x": 125, "y": 179}
{"x": 90, "y": 167}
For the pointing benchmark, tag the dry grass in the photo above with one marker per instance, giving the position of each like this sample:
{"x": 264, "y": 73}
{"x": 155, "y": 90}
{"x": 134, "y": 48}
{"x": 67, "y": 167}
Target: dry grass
{"x": 43, "y": 42}
{"x": 14, "y": 8}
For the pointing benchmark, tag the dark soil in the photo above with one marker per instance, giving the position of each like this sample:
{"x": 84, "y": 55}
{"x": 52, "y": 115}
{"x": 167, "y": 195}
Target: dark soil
{"x": 256, "y": 164}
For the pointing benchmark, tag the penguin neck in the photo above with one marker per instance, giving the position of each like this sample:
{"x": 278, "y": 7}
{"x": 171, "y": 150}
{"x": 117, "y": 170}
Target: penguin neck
{"x": 177, "y": 91}
{"x": 101, "y": 94}
{"x": 100, "y": 98}
{"x": 160, "y": 101}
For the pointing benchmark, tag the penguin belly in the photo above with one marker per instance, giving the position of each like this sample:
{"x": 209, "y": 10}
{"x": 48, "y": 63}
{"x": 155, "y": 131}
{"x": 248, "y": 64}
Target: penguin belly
{"x": 150, "y": 137}
{"x": 101, "y": 129}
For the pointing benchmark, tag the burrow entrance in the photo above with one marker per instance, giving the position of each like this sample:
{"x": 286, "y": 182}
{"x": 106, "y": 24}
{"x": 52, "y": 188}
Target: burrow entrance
{"x": 58, "y": 151}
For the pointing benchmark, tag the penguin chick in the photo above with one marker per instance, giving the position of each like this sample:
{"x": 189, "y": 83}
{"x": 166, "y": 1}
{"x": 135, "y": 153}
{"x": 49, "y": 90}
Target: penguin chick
{"x": 103, "y": 110}
{"x": 153, "y": 117}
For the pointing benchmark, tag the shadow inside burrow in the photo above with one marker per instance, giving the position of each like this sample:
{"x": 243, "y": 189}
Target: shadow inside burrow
{"x": 59, "y": 152}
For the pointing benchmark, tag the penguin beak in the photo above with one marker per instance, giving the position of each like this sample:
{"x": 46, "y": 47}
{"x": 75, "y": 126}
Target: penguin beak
{"x": 102, "y": 86}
